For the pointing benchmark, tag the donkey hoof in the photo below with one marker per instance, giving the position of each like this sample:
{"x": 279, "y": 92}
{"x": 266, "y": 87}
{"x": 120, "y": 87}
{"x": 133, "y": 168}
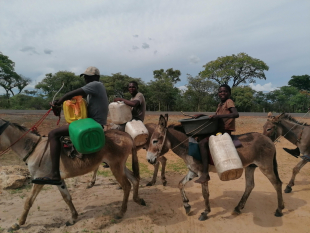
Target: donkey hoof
{"x": 288, "y": 189}
{"x": 278, "y": 213}
{"x": 187, "y": 209}
{"x": 118, "y": 216}
{"x": 149, "y": 184}
{"x": 14, "y": 227}
{"x": 164, "y": 183}
{"x": 142, "y": 202}
{"x": 236, "y": 211}
{"x": 203, "y": 217}
{"x": 70, "y": 223}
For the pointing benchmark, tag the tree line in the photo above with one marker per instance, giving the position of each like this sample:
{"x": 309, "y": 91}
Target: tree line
{"x": 161, "y": 93}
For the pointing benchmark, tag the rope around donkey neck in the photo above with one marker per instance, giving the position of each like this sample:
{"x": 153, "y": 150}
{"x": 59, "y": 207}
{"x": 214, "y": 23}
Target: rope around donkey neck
{"x": 277, "y": 139}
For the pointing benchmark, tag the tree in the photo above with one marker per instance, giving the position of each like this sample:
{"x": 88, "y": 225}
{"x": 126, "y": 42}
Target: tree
{"x": 52, "y": 83}
{"x": 161, "y": 92}
{"x": 301, "y": 82}
{"x": 9, "y": 79}
{"x": 117, "y": 85}
{"x": 172, "y": 75}
{"x": 201, "y": 92}
{"x": 243, "y": 97}
{"x": 238, "y": 69}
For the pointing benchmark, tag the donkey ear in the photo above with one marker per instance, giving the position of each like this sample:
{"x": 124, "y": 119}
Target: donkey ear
{"x": 166, "y": 117}
{"x": 269, "y": 115}
{"x": 162, "y": 121}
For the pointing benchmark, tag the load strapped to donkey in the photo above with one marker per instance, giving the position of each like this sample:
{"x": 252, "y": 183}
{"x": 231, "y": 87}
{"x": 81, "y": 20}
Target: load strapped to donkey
{"x": 222, "y": 149}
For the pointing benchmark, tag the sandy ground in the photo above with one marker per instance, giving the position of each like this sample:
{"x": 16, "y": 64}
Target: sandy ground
{"x": 164, "y": 211}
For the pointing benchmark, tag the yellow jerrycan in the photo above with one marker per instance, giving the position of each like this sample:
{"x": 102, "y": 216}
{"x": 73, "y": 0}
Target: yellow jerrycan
{"x": 225, "y": 157}
{"x": 75, "y": 109}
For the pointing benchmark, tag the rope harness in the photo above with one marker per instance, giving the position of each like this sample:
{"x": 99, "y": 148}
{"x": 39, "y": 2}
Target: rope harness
{"x": 201, "y": 127}
{"x": 276, "y": 127}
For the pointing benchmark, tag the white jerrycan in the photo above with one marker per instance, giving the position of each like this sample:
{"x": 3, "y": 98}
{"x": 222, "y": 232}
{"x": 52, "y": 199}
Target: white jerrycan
{"x": 120, "y": 113}
{"x": 225, "y": 157}
{"x": 138, "y": 132}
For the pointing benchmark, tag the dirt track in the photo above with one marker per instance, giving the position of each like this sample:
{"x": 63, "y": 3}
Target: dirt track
{"x": 164, "y": 211}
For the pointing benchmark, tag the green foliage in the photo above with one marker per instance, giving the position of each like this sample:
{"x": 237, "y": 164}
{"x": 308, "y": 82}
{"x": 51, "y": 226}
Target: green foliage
{"x": 52, "y": 83}
{"x": 26, "y": 102}
{"x": 301, "y": 82}
{"x": 243, "y": 98}
{"x": 201, "y": 93}
{"x": 9, "y": 79}
{"x": 238, "y": 69}
{"x": 117, "y": 85}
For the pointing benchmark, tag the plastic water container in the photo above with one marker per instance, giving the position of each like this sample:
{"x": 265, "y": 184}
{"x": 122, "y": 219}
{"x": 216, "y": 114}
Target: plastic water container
{"x": 120, "y": 113}
{"x": 225, "y": 157}
{"x": 87, "y": 135}
{"x": 75, "y": 109}
{"x": 138, "y": 132}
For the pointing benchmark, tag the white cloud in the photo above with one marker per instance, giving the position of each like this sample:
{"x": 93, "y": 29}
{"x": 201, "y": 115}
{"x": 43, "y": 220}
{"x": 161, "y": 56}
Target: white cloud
{"x": 265, "y": 88}
{"x": 100, "y": 33}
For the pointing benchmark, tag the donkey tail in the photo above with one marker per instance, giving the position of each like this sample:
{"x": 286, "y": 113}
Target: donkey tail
{"x": 275, "y": 167}
{"x": 135, "y": 162}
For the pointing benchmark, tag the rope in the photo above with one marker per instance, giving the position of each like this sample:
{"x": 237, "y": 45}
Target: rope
{"x": 193, "y": 134}
{"x": 276, "y": 141}
{"x": 32, "y": 129}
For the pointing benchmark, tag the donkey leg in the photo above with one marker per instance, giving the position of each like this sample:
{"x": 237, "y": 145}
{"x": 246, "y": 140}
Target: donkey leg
{"x": 93, "y": 180}
{"x": 119, "y": 174}
{"x": 205, "y": 194}
{"x": 163, "y": 162}
{"x": 296, "y": 170}
{"x": 189, "y": 176}
{"x": 68, "y": 199}
{"x": 153, "y": 181}
{"x": 135, "y": 184}
{"x": 249, "y": 185}
{"x": 277, "y": 184}
{"x": 36, "y": 188}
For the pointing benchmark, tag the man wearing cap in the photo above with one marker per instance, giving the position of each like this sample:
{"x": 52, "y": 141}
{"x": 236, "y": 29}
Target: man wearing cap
{"x": 137, "y": 102}
{"x": 97, "y": 109}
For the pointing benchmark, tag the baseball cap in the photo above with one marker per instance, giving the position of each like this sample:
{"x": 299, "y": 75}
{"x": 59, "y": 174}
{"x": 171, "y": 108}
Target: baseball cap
{"x": 90, "y": 71}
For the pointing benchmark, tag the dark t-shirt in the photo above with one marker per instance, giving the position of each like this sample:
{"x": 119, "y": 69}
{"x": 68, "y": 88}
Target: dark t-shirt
{"x": 97, "y": 100}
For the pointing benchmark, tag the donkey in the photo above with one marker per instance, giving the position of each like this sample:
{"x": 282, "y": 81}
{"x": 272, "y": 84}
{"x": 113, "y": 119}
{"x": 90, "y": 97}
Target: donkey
{"x": 257, "y": 151}
{"x": 34, "y": 149}
{"x": 162, "y": 159}
{"x": 295, "y": 132}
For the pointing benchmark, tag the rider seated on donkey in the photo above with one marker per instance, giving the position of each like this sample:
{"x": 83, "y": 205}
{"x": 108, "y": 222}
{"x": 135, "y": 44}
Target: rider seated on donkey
{"x": 97, "y": 109}
{"x": 226, "y": 113}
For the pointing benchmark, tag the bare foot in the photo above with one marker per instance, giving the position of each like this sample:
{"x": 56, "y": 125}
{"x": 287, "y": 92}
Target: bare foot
{"x": 203, "y": 179}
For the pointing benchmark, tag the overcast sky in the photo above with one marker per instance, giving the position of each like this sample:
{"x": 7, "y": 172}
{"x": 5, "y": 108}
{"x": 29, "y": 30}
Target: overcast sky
{"x": 136, "y": 37}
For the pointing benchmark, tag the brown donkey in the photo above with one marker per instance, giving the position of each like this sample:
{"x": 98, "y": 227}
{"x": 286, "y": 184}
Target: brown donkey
{"x": 257, "y": 151}
{"x": 162, "y": 160}
{"x": 31, "y": 147}
{"x": 295, "y": 132}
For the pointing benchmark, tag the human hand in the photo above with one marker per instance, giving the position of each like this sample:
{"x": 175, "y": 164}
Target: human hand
{"x": 117, "y": 99}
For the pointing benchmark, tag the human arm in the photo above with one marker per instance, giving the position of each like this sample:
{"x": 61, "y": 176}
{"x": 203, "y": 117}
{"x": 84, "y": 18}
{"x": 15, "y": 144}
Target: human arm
{"x": 131, "y": 103}
{"x": 233, "y": 114}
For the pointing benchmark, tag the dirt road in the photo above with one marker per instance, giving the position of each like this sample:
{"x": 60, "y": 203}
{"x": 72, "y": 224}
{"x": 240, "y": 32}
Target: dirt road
{"x": 164, "y": 211}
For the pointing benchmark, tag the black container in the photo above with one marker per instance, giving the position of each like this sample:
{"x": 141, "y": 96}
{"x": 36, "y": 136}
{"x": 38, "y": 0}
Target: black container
{"x": 200, "y": 126}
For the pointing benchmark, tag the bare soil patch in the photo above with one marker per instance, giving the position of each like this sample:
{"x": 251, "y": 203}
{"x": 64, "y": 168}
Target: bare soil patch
{"x": 164, "y": 211}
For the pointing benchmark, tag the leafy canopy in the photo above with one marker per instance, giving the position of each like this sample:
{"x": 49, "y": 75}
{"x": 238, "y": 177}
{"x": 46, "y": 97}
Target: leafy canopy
{"x": 238, "y": 69}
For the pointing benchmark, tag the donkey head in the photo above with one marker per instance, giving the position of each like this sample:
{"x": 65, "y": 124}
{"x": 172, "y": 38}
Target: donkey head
{"x": 270, "y": 128}
{"x": 157, "y": 140}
